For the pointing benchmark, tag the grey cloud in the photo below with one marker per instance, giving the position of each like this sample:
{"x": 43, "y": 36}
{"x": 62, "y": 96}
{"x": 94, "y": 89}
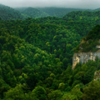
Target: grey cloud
{"x": 48, "y": 3}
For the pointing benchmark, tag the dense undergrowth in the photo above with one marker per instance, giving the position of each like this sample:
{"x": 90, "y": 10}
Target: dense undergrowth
{"x": 36, "y": 56}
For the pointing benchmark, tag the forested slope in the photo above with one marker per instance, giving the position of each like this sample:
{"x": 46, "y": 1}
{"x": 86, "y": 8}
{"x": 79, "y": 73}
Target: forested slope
{"x": 91, "y": 41}
{"x": 32, "y": 12}
{"x": 47, "y": 11}
{"x": 7, "y": 13}
{"x": 83, "y": 15}
{"x": 36, "y": 56}
{"x": 58, "y": 11}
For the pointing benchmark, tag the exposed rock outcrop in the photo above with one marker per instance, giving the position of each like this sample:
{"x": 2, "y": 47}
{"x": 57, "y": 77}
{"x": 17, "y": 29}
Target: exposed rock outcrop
{"x": 97, "y": 75}
{"x": 84, "y": 57}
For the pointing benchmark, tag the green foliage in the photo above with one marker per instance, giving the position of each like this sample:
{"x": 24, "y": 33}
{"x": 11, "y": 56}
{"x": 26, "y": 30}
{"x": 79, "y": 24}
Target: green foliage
{"x": 58, "y": 12}
{"x": 61, "y": 86}
{"x": 34, "y": 13}
{"x": 92, "y": 91}
{"x": 37, "y": 55}
{"x": 94, "y": 33}
{"x": 91, "y": 41}
{"x": 55, "y": 95}
{"x": 39, "y": 92}
{"x": 15, "y": 93}
{"x": 85, "y": 73}
{"x": 75, "y": 94}
{"x": 82, "y": 15}
{"x": 8, "y": 13}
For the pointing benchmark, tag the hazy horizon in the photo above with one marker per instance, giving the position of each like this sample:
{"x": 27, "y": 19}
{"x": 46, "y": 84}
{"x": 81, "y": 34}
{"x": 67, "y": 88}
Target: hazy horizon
{"x": 86, "y": 4}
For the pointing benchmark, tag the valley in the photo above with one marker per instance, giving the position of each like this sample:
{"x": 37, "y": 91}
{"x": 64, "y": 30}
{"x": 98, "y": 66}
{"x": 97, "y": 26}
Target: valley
{"x": 36, "y": 51}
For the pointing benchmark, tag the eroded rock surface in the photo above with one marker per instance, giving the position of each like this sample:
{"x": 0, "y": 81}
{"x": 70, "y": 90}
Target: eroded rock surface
{"x": 97, "y": 75}
{"x": 84, "y": 57}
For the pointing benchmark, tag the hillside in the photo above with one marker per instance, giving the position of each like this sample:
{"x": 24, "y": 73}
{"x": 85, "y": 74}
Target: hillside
{"x": 32, "y": 12}
{"x": 36, "y": 58}
{"x": 20, "y": 9}
{"x": 98, "y": 9}
{"x": 82, "y": 15}
{"x": 91, "y": 42}
{"x": 7, "y": 13}
{"x": 19, "y": 59}
{"x": 58, "y": 12}
{"x": 48, "y": 11}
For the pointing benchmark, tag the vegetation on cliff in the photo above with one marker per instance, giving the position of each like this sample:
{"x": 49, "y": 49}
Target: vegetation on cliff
{"x": 91, "y": 42}
{"x": 7, "y": 13}
{"x": 36, "y": 56}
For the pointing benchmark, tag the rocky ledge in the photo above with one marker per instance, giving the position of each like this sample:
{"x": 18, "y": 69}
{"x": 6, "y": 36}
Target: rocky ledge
{"x": 84, "y": 57}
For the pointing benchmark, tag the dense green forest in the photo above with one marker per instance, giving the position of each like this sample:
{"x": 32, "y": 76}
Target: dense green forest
{"x": 32, "y": 12}
{"x": 90, "y": 42}
{"x": 7, "y": 13}
{"x": 47, "y": 11}
{"x": 36, "y": 58}
{"x": 59, "y": 12}
{"x": 97, "y": 9}
{"x": 83, "y": 15}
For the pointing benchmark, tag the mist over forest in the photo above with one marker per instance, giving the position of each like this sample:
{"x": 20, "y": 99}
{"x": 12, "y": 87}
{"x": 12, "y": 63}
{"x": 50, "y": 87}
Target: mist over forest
{"x": 38, "y": 44}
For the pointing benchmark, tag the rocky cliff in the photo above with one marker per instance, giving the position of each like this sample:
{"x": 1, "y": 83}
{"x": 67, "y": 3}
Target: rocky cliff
{"x": 84, "y": 57}
{"x": 89, "y": 47}
{"x": 97, "y": 75}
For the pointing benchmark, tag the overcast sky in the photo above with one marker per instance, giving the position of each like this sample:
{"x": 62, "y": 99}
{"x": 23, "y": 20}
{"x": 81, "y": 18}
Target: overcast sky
{"x": 53, "y": 3}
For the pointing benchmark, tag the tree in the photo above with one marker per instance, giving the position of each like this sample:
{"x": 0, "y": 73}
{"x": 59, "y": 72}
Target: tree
{"x": 55, "y": 95}
{"x": 39, "y": 92}
{"x": 92, "y": 91}
{"x": 16, "y": 93}
{"x": 61, "y": 86}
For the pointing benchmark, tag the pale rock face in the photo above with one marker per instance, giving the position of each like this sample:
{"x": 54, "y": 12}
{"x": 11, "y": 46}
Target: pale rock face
{"x": 98, "y": 46}
{"x": 84, "y": 57}
{"x": 97, "y": 75}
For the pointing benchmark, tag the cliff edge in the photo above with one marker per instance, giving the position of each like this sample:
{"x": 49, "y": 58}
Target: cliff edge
{"x": 84, "y": 57}
{"x": 89, "y": 48}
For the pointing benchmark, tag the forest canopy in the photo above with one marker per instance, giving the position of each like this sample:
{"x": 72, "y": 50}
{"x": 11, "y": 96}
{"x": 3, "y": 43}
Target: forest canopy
{"x": 36, "y": 57}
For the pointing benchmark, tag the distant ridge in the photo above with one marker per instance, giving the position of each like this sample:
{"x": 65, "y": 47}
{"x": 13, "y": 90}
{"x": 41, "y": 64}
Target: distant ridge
{"x": 97, "y": 9}
{"x": 60, "y": 12}
{"x": 8, "y": 13}
{"x": 48, "y": 11}
{"x": 32, "y": 12}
